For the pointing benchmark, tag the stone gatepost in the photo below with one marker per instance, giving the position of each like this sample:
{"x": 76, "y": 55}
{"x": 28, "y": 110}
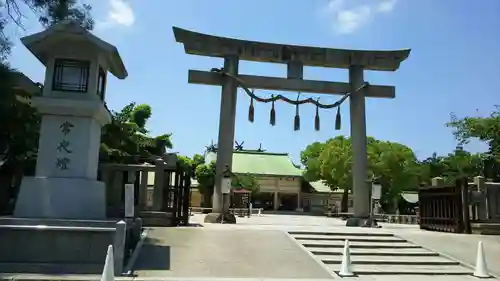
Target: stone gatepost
{"x": 73, "y": 111}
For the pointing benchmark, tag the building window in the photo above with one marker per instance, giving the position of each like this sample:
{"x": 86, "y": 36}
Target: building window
{"x": 101, "y": 83}
{"x": 71, "y": 75}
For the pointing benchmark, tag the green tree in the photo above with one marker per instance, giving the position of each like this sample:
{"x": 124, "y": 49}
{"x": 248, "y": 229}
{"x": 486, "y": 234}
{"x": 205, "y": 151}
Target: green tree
{"x": 198, "y": 159}
{"x": 485, "y": 129}
{"x": 461, "y": 164}
{"x": 48, "y": 13}
{"x": 246, "y": 181}
{"x": 186, "y": 162}
{"x": 205, "y": 175}
{"x": 395, "y": 167}
{"x": 431, "y": 167}
{"x": 125, "y": 139}
{"x": 336, "y": 166}
{"x": 309, "y": 158}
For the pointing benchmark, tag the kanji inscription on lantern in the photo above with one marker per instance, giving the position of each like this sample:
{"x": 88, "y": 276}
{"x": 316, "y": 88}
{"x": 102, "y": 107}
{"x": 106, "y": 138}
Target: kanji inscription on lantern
{"x": 64, "y": 147}
{"x": 66, "y": 127}
{"x": 63, "y": 162}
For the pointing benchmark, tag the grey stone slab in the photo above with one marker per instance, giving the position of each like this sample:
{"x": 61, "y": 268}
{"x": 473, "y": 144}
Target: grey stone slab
{"x": 198, "y": 252}
{"x": 224, "y": 279}
{"x": 43, "y": 270}
{"x": 351, "y": 238}
{"x": 356, "y": 244}
{"x": 409, "y": 277}
{"x": 369, "y": 269}
{"x": 56, "y": 277}
{"x": 390, "y": 259}
{"x": 389, "y": 252}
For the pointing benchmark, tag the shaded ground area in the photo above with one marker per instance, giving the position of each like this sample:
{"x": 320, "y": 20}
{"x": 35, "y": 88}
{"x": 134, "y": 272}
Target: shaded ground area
{"x": 201, "y": 252}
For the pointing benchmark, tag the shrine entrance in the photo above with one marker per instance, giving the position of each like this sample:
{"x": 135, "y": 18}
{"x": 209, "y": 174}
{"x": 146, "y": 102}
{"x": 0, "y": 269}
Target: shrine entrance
{"x": 295, "y": 57}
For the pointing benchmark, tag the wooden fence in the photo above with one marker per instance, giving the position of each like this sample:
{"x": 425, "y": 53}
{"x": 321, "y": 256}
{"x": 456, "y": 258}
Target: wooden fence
{"x": 171, "y": 189}
{"x": 460, "y": 208}
{"x": 440, "y": 207}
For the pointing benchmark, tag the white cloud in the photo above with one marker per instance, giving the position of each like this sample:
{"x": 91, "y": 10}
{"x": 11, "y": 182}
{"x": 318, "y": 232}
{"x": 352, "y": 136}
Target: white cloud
{"x": 119, "y": 13}
{"x": 350, "y": 16}
{"x": 386, "y": 6}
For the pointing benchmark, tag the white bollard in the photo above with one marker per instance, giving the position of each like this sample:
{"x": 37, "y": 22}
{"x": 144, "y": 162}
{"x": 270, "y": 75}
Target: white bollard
{"x": 345, "y": 266}
{"x": 481, "y": 270}
{"x": 108, "y": 272}
{"x": 260, "y": 212}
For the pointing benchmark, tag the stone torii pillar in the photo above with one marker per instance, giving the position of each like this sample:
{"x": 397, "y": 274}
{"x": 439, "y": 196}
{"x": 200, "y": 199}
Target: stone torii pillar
{"x": 359, "y": 150}
{"x": 296, "y": 57}
{"x": 227, "y": 122}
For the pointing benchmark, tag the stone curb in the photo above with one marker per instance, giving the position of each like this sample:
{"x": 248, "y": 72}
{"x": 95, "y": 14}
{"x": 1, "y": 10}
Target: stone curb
{"x": 129, "y": 268}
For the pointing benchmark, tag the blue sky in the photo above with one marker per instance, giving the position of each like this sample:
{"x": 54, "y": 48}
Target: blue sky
{"x": 453, "y": 67}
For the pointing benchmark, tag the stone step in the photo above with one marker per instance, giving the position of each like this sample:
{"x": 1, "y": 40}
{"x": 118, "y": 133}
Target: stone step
{"x": 377, "y": 234}
{"x": 377, "y": 269}
{"x": 374, "y": 239}
{"x": 153, "y": 218}
{"x": 391, "y": 260}
{"x": 414, "y": 252}
{"x": 360, "y": 245}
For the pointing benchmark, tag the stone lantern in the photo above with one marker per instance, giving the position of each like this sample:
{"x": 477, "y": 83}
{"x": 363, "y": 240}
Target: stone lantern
{"x": 73, "y": 112}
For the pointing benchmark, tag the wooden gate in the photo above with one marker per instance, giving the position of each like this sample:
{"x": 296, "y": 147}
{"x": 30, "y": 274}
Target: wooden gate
{"x": 440, "y": 208}
{"x": 177, "y": 195}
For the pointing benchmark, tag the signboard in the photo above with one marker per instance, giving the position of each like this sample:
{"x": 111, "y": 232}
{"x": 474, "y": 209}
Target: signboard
{"x": 225, "y": 185}
{"x": 376, "y": 191}
{"x": 129, "y": 200}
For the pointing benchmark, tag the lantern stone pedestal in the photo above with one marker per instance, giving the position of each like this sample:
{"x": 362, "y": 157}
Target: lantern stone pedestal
{"x": 60, "y": 214}
{"x": 65, "y": 185}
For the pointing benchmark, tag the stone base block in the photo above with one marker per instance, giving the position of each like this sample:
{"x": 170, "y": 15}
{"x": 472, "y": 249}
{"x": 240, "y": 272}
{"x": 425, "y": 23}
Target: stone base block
{"x": 61, "y": 198}
{"x": 25, "y": 244}
{"x": 217, "y": 218}
{"x": 362, "y": 222}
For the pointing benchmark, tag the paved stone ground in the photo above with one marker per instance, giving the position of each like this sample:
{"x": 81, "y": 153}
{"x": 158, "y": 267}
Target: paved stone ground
{"x": 209, "y": 252}
{"x": 259, "y": 248}
{"x": 462, "y": 247}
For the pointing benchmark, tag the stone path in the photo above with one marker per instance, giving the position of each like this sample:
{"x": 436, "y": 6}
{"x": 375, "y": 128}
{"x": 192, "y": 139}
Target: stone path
{"x": 208, "y": 252}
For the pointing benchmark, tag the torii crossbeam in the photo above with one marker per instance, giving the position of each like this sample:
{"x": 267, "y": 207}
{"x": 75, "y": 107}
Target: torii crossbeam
{"x": 296, "y": 57}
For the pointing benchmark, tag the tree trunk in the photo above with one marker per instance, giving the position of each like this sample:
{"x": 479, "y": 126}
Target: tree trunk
{"x": 344, "y": 206}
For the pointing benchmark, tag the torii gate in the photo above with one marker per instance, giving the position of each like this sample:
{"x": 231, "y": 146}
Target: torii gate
{"x": 296, "y": 57}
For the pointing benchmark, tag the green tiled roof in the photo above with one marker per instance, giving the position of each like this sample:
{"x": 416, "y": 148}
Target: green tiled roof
{"x": 319, "y": 186}
{"x": 261, "y": 163}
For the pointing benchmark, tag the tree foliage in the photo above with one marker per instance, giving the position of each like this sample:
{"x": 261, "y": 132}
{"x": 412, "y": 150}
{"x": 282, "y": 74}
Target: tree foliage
{"x": 205, "y": 175}
{"x": 246, "y": 181}
{"x": 126, "y": 139}
{"x": 392, "y": 165}
{"x": 486, "y": 129}
{"x": 48, "y": 12}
